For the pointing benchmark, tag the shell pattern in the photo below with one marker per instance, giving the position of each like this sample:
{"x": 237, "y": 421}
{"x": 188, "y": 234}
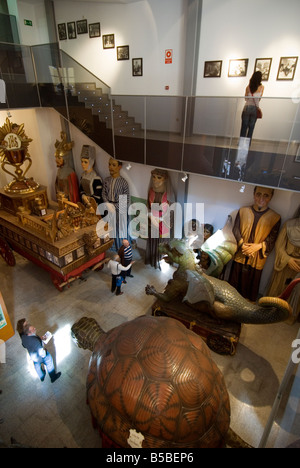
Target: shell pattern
{"x": 155, "y": 377}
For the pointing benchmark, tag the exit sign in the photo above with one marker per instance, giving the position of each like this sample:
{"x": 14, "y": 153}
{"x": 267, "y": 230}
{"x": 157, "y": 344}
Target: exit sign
{"x": 27, "y": 22}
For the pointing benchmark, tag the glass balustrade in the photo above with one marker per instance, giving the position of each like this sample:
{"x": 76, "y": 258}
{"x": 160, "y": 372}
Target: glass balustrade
{"x": 17, "y": 72}
{"x": 199, "y": 135}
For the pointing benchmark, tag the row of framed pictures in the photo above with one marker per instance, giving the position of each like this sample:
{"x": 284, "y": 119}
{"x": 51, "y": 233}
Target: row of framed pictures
{"x": 74, "y": 28}
{"x": 239, "y": 67}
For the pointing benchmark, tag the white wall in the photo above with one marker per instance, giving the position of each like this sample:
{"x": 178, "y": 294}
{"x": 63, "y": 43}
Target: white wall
{"x": 35, "y": 12}
{"x": 237, "y": 29}
{"x": 148, "y": 27}
{"x": 230, "y": 29}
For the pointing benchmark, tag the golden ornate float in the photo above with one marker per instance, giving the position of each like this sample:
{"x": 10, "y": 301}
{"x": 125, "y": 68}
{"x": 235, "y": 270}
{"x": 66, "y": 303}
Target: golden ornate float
{"x": 60, "y": 236}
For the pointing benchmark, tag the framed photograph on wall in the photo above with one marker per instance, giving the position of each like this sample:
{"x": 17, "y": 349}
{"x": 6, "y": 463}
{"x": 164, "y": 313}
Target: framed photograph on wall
{"x": 264, "y": 66}
{"x": 94, "y": 30}
{"x": 108, "y": 41}
{"x": 62, "y": 31}
{"x": 137, "y": 67}
{"x": 287, "y": 68}
{"x": 213, "y": 69}
{"x": 82, "y": 27}
{"x": 123, "y": 52}
{"x": 237, "y": 68}
{"x": 72, "y": 30}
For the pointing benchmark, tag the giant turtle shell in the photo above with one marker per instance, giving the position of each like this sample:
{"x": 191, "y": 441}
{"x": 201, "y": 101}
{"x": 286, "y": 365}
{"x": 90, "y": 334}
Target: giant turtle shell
{"x": 155, "y": 377}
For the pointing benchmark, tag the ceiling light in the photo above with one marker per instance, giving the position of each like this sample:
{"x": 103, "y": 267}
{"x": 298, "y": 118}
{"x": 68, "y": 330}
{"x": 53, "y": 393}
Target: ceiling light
{"x": 128, "y": 167}
{"x": 242, "y": 189}
{"x": 185, "y": 177}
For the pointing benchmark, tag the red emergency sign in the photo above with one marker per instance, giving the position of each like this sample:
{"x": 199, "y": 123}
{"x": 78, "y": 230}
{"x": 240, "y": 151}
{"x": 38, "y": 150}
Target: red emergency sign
{"x": 169, "y": 56}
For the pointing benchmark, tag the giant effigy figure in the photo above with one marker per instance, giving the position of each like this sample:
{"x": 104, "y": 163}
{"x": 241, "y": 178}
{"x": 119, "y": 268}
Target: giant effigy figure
{"x": 66, "y": 178}
{"x": 116, "y": 194}
{"x": 287, "y": 262}
{"x": 160, "y": 220}
{"x": 91, "y": 184}
{"x": 256, "y": 229}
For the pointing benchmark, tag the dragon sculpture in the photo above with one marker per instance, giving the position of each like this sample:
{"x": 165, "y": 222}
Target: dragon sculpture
{"x": 211, "y": 295}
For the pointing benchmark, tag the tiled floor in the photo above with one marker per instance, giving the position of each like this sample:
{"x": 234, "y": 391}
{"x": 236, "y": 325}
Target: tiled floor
{"x": 55, "y": 415}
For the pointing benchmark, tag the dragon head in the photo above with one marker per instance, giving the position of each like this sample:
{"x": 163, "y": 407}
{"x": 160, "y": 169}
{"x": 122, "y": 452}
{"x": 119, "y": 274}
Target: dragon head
{"x": 178, "y": 251}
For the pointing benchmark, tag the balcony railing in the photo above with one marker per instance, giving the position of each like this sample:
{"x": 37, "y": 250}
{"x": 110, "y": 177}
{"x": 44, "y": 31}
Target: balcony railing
{"x": 189, "y": 134}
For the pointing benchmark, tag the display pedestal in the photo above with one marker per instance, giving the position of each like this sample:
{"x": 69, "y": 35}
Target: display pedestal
{"x": 6, "y": 329}
{"x": 221, "y": 336}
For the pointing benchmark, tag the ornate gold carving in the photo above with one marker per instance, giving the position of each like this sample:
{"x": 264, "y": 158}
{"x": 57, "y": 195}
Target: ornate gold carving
{"x": 14, "y": 152}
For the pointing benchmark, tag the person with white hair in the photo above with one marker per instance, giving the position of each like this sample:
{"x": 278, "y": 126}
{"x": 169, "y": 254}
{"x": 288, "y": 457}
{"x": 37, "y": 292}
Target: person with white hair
{"x": 116, "y": 279}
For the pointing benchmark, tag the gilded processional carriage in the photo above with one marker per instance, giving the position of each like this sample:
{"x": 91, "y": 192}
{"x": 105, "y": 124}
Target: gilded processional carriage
{"x": 60, "y": 236}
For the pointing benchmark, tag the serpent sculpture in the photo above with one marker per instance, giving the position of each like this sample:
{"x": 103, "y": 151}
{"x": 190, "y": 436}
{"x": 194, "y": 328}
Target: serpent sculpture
{"x": 153, "y": 384}
{"x": 220, "y": 247}
{"x": 212, "y": 295}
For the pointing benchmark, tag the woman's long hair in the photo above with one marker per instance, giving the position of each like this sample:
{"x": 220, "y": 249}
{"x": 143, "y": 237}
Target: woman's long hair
{"x": 255, "y": 81}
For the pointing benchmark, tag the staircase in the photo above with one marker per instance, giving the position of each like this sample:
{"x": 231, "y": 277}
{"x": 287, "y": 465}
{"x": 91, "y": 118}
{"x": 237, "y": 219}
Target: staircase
{"x": 102, "y": 106}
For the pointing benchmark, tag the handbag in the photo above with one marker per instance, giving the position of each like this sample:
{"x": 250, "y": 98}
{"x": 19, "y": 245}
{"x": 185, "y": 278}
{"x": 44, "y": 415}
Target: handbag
{"x": 258, "y": 110}
{"x": 258, "y": 113}
{"x": 119, "y": 279}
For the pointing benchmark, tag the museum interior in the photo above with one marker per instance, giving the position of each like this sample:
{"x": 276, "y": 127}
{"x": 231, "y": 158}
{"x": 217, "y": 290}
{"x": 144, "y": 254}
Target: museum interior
{"x": 139, "y": 109}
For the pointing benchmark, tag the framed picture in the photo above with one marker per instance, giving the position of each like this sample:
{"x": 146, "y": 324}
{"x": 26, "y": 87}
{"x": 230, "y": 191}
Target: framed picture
{"x": 94, "y": 30}
{"x": 108, "y": 41}
{"x": 123, "y": 53}
{"x": 137, "y": 67}
{"x": 297, "y": 157}
{"x": 72, "y": 30}
{"x": 264, "y": 66}
{"x": 213, "y": 69}
{"x": 82, "y": 27}
{"x": 237, "y": 68}
{"x": 62, "y": 31}
{"x": 287, "y": 68}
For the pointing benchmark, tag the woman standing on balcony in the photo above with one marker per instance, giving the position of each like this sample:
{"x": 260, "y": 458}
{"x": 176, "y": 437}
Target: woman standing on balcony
{"x": 253, "y": 94}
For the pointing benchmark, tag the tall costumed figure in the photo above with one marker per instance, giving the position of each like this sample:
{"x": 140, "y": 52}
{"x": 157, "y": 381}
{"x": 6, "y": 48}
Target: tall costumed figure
{"x": 287, "y": 263}
{"x": 256, "y": 229}
{"x": 160, "y": 219}
{"x": 116, "y": 195}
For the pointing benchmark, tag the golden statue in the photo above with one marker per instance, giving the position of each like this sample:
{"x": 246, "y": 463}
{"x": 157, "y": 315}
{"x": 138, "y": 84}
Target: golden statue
{"x": 14, "y": 152}
{"x": 66, "y": 179}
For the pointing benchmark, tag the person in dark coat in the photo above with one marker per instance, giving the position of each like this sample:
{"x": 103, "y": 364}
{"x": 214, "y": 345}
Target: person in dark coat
{"x": 38, "y": 354}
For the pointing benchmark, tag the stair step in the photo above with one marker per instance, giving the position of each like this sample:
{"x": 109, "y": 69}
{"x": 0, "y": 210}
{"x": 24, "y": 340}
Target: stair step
{"x": 120, "y": 123}
{"x": 91, "y": 98}
{"x": 86, "y": 86}
{"x": 127, "y": 132}
{"x": 120, "y": 127}
{"x": 98, "y": 107}
{"x": 121, "y": 117}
